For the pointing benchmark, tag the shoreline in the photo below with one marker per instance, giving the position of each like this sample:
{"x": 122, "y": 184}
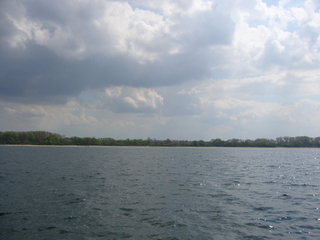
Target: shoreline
{"x": 97, "y": 146}
{"x": 30, "y": 145}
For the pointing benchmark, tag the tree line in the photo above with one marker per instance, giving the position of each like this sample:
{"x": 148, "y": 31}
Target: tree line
{"x": 48, "y": 138}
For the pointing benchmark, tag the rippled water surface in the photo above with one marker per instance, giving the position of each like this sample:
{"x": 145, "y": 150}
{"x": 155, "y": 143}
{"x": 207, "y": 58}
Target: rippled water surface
{"x": 159, "y": 193}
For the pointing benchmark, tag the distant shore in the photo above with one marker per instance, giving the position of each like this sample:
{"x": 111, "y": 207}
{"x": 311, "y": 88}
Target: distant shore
{"x": 30, "y": 145}
{"x": 43, "y": 138}
{"x": 99, "y": 146}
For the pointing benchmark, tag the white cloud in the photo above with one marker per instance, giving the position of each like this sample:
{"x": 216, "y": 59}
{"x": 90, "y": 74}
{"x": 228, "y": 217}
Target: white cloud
{"x": 49, "y": 117}
{"x": 180, "y": 7}
{"x": 142, "y": 100}
{"x": 227, "y": 68}
{"x": 116, "y": 26}
{"x": 27, "y": 110}
{"x": 113, "y": 92}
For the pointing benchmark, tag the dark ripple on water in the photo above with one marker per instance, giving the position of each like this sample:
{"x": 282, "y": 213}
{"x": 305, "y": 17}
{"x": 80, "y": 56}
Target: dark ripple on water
{"x": 159, "y": 193}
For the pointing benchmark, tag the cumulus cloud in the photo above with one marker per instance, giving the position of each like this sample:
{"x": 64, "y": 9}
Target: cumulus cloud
{"x": 128, "y": 99}
{"x": 59, "y": 49}
{"x": 228, "y": 67}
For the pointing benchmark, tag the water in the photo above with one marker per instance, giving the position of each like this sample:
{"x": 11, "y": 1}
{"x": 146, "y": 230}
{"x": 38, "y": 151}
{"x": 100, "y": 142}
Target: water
{"x": 159, "y": 193}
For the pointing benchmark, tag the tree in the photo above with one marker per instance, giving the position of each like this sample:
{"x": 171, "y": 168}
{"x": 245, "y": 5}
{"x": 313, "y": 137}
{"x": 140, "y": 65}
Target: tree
{"x": 303, "y": 141}
{"x": 316, "y": 142}
{"x": 264, "y": 142}
{"x": 217, "y": 142}
{"x": 168, "y": 142}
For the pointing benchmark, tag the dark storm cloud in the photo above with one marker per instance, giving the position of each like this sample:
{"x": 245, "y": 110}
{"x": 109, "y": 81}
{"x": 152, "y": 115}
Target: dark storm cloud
{"x": 39, "y": 74}
{"x": 34, "y": 69}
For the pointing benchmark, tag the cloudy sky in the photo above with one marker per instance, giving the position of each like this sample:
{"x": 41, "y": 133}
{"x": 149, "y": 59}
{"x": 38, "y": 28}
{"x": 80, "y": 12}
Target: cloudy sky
{"x": 178, "y": 69}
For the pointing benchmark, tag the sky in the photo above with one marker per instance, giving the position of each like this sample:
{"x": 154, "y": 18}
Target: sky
{"x": 177, "y": 69}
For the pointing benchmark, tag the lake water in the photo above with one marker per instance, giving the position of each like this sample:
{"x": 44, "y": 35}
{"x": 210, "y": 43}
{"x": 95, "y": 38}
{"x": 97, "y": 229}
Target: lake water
{"x": 159, "y": 193}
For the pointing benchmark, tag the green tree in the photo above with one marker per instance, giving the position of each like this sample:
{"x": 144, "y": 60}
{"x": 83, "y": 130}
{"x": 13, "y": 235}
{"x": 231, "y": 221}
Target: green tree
{"x": 168, "y": 142}
{"x": 303, "y": 141}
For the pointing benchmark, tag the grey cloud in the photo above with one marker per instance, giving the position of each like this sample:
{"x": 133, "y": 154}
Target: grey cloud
{"x": 273, "y": 55}
{"x": 310, "y": 33}
{"x": 33, "y": 72}
{"x": 39, "y": 73}
{"x": 47, "y": 11}
{"x": 217, "y": 68}
{"x": 181, "y": 105}
{"x": 208, "y": 28}
{"x": 285, "y": 55}
{"x": 122, "y": 106}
